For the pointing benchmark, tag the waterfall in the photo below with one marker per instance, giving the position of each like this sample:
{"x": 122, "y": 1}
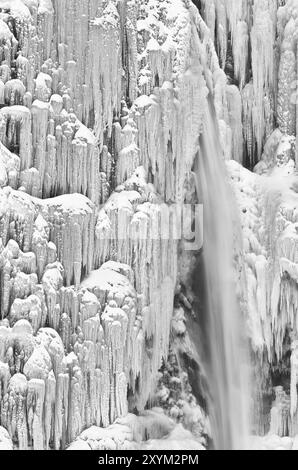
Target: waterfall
{"x": 225, "y": 364}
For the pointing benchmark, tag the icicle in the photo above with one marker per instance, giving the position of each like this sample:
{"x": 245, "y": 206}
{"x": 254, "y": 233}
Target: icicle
{"x": 262, "y": 38}
{"x": 235, "y": 121}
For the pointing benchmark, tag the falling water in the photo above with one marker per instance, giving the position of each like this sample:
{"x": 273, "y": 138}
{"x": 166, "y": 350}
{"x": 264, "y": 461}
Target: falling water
{"x": 225, "y": 365}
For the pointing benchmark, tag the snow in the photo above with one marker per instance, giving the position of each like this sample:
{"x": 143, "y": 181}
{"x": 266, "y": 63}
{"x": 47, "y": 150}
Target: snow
{"x": 272, "y": 443}
{"x": 5, "y": 440}
{"x": 5, "y": 33}
{"x": 125, "y": 434}
{"x": 143, "y": 101}
{"x": 178, "y": 439}
{"x": 18, "y": 8}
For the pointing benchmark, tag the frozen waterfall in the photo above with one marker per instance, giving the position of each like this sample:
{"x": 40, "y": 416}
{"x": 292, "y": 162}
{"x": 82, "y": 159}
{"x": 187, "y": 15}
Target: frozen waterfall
{"x": 117, "y": 118}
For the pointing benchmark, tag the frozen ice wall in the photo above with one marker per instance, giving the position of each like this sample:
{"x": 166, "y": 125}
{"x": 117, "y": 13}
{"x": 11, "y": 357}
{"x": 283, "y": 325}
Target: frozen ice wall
{"x": 256, "y": 42}
{"x": 257, "y": 47}
{"x": 102, "y": 104}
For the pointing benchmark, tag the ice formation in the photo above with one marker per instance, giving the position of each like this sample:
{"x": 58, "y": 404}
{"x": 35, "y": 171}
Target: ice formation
{"x": 104, "y": 111}
{"x": 256, "y": 42}
{"x": 96, "y": 143}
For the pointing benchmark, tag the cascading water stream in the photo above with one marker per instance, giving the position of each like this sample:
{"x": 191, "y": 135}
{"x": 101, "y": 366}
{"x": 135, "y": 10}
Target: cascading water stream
{"x": 226, "y": 365}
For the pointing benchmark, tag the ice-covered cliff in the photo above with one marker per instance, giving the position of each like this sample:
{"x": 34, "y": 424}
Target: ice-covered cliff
{"x": 257, "y": 45}
{"x": 103, "y": 107}
{"x": 102, "y": 104}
